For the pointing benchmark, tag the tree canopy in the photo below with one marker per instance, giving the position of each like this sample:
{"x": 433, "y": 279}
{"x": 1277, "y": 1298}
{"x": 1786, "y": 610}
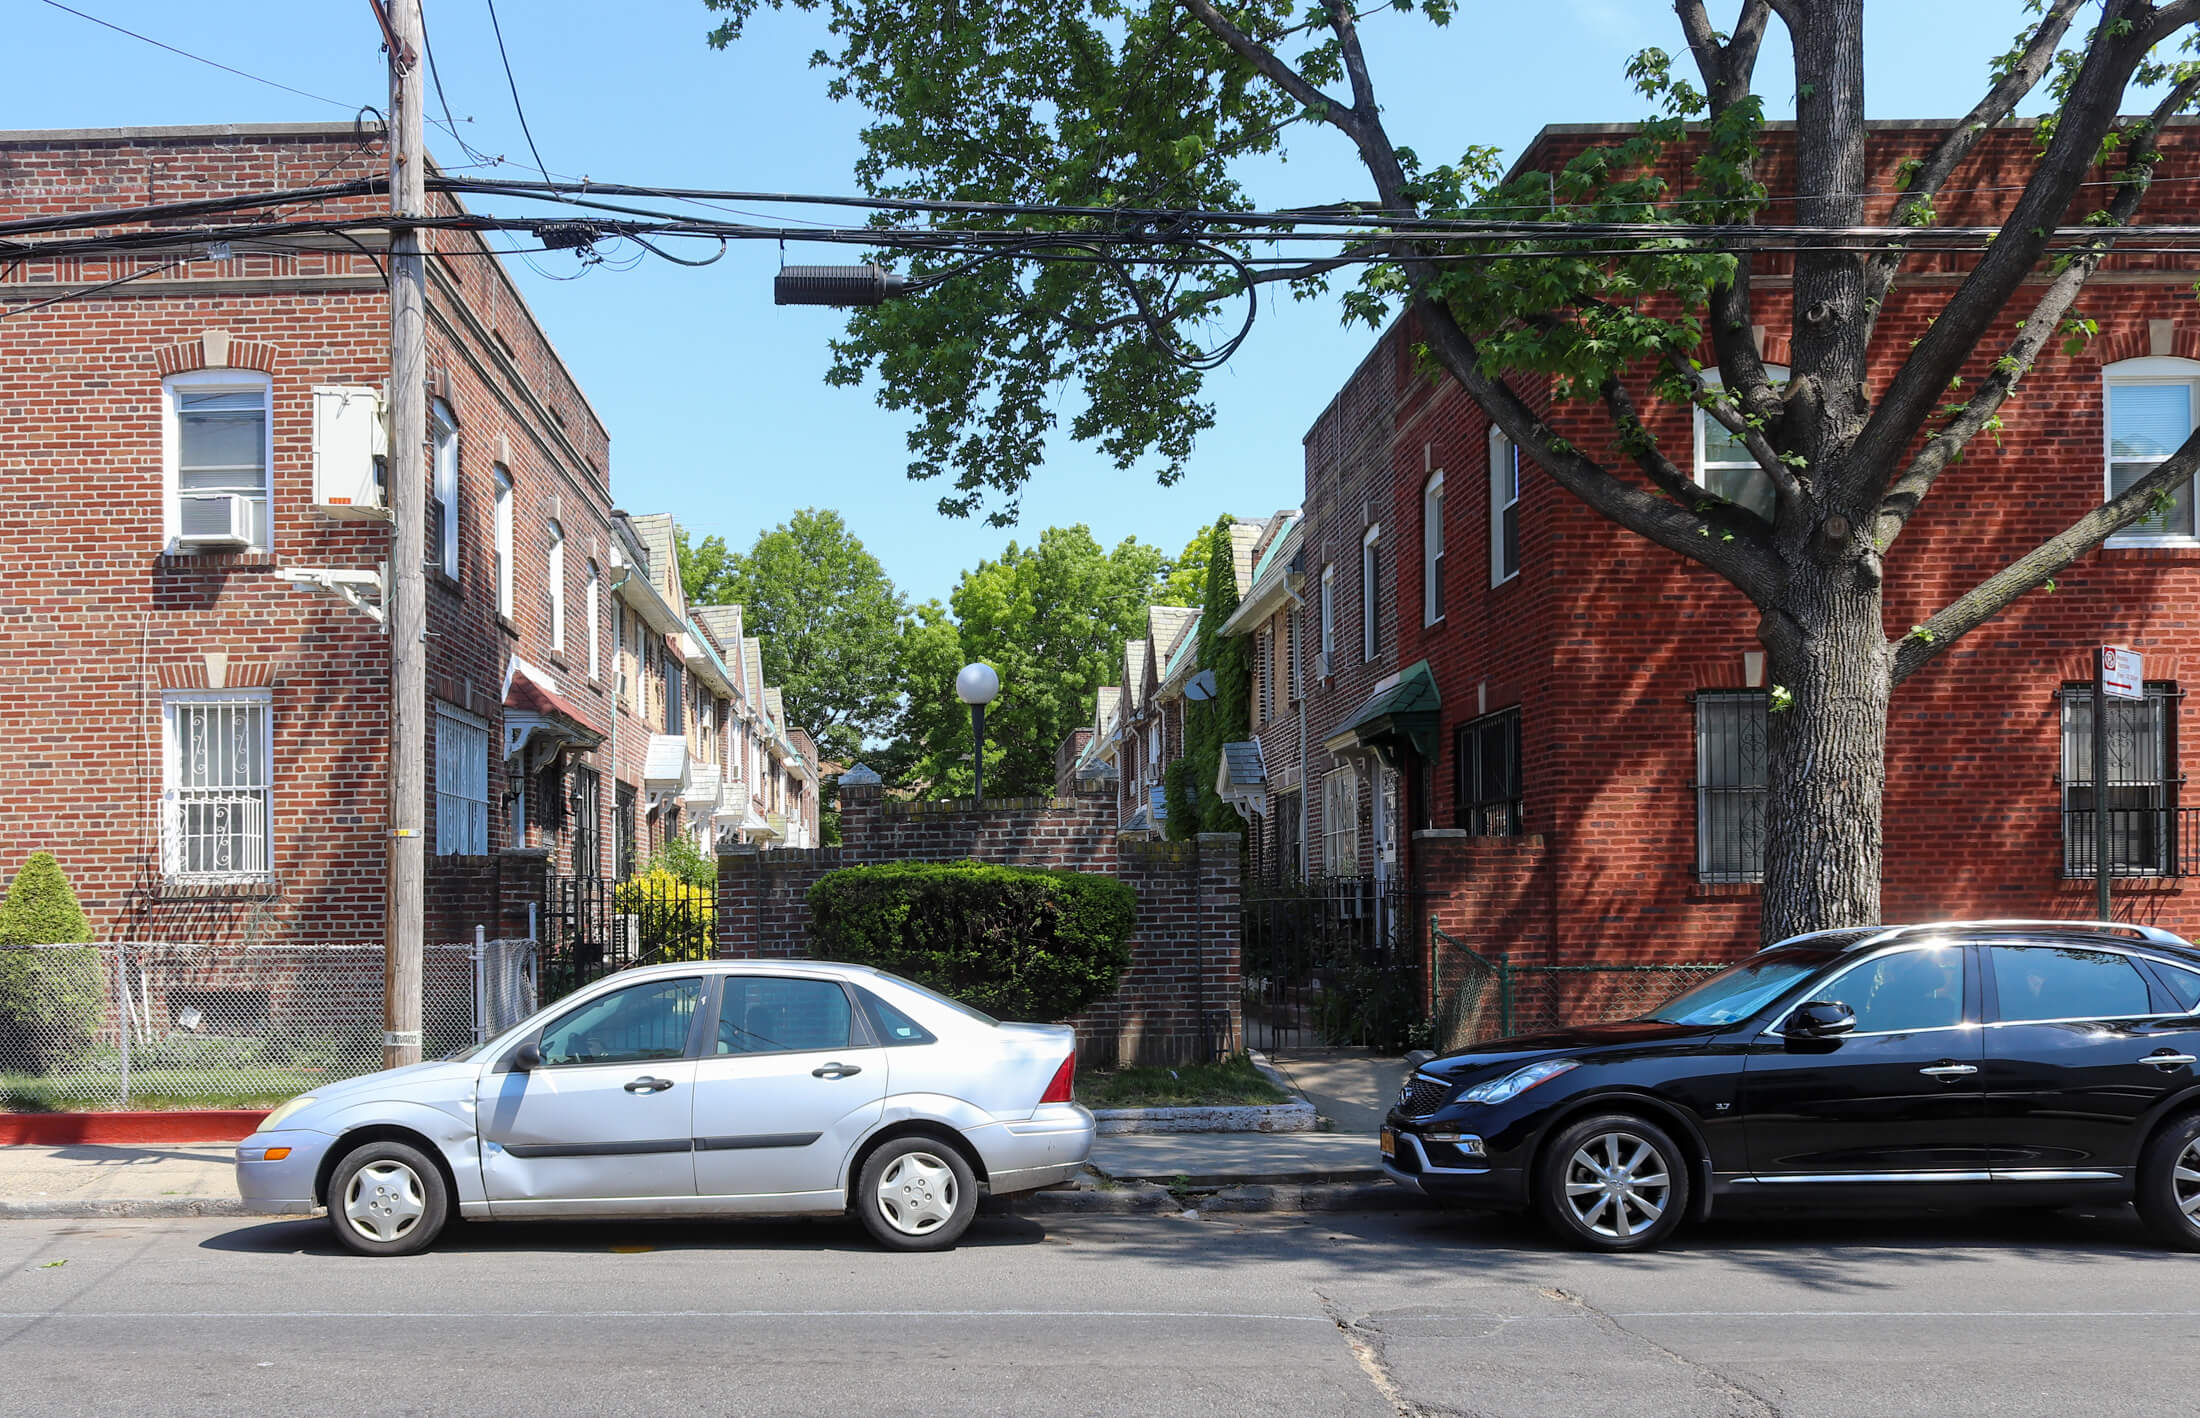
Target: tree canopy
{"x": 827, "y": 614}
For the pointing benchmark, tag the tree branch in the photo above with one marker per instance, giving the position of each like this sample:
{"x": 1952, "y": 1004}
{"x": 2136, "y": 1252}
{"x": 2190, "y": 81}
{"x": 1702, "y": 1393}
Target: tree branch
{"x": 1271, "y": 66}
{"x": 1916, "y": 206}
{"x": 1907, "y": 491}
{"x": 1636, "y": 440}
{"x": 1728, "y": 71}
{"x": 1993, "y": 595}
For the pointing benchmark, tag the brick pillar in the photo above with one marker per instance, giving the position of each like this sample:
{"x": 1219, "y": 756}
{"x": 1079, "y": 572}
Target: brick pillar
{"x": 860, "y": 807}
{"x": 740, "y": 882}
{"x": 1220, "y": 869}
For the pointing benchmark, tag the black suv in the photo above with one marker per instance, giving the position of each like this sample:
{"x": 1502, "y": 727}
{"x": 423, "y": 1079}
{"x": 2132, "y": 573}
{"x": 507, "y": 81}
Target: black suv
{"x": 2034, "y": 1062}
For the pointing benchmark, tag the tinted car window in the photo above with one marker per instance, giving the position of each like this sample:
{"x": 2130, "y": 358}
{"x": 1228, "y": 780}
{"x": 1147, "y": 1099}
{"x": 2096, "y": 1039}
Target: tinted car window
{"x": 626, "y": 1026}
{"x": 1737, "y": 992}
{"x": 2183, "y": 984}
{"x": 2043, "y": 982}
{"x": 1913, "y": 989}
{"x": 894, "y": 1026}
{"x": 763, "y": 1015}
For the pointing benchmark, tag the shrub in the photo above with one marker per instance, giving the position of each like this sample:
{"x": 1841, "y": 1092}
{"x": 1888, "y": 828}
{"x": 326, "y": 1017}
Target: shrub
{"x": 51, "y": 1001}
{"x": 1015, "y": 942}
{"x": 680, "y": 857}
{"x": 677, "y": 917}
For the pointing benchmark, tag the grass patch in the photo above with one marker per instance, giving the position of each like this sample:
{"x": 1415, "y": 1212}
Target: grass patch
{"x": 1234, "y": 1081}
{"x": 161, "y": 1089}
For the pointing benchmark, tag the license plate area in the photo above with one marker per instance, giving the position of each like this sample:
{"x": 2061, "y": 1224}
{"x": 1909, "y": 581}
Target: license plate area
{"x": 1388, "y": 1142}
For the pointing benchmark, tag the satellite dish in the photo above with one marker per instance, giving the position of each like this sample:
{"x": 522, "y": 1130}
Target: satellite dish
{"x": 1200, "y": 687}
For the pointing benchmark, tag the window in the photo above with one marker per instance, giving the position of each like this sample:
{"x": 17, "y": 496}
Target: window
{"x": 893, "y": 1026}
{"x": 504, "y": 543}
{"x": 675, "y": 699}
{"x": 1731, "y": 728}
{"x": 216, "y": 785}
{"x": 461, "y": 783}
{"x": 1432, "y": 550}
{"x": 595, "y": 622}
{"x": 1290, "y": 835}
{"x": 1341, "y": 824}
{"x": 442, "y": 529}
{"x": 777, "y": 1016}
{"x": 1293, "y": 653}
{"x": 2142, "y": 782}
{"x": 1371, "y": 561}
{"x": 2043, "y": 982}
{"x": 1726, "y": 467}
{"x": 556, "y": 573}
{"x": 1329, "y": 620}
{"x": 1486, "y": 768}
{"x": 633, "y": 1025}
{"x": 1504, "y": 508}
{"x": 2183, "y": 984}
{"x": 2150, "y": 412}
{"x": 622, "y": 834}
{"x": 219, "y": 450}
{"x": 1266, "y": 670}
{"x": 587, "y": 789}
{"x": 1903, "y": 992}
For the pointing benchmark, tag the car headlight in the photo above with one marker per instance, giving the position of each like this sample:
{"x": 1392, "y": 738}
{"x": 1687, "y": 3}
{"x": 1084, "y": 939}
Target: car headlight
{"x": 291, "y": 1109}
{"x": 1519, "y": 1081}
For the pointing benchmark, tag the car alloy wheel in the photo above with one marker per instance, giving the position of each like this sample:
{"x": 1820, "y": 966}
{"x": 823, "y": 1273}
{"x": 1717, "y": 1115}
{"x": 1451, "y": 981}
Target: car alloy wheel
{"x": 1613, "y": 1182}
{"x": 383, "y": 1201}
{"x": 2168, "y": 1191}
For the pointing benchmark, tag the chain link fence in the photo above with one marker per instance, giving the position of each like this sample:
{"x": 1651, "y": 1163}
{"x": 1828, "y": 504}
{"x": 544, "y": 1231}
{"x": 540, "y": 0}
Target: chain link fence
{"x": 1478, "y": 999}
{"x": 139, "y": 1024}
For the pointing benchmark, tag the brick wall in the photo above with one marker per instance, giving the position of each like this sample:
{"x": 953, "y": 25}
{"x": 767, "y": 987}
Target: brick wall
{"x": 1184, "y": 953}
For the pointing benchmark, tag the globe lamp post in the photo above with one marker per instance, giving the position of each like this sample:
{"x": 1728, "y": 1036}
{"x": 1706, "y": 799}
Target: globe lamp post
{"x": 976, "y": 686}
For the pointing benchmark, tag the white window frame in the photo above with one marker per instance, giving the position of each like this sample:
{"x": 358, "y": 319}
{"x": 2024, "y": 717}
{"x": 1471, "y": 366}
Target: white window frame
{"x": 1329, "y": 616}
{"x": 1371, "y": 624}
{"x": 1432, "y": 549}
{"x": 443, "y": 459}
{"x": 213, "y": 381}
{"x": 503, "y": 479}
{"x": 461, "y": 803}
{"x": 595, "y": 621}
{"x": 1504, "y": 498}
{"x": 2150, "y": 369}
{"x": 1778, "y": 374}
{"x": 1341, "y": 823}
{"x": 253, "y": 799}
{"x": 554, "y": 570}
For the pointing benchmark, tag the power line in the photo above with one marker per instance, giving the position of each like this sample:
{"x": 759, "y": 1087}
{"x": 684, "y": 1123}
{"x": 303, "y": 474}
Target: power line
{"x": 200, "y": 58}
{"x": 517, "y": 106}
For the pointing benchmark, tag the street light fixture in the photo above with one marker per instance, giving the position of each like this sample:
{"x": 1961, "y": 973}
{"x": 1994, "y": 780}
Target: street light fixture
{"x": 976, "y": 686}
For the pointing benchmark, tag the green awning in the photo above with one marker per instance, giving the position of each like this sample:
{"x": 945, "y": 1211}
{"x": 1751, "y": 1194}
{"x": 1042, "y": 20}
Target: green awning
{"x": 1403, "y": 714}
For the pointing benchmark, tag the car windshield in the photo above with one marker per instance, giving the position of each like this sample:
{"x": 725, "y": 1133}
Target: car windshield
{"x": 1741, "y": 990}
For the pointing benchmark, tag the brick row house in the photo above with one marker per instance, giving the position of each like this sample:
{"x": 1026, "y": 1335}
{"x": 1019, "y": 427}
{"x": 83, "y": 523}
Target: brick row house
{"x": 191, "y": 500}
{"x": 1469, "y": 682}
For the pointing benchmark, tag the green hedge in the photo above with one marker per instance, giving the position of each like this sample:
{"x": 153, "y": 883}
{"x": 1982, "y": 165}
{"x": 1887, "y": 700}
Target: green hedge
{"x": 51, "y": 1001}
{"x": 1016, "y": 942}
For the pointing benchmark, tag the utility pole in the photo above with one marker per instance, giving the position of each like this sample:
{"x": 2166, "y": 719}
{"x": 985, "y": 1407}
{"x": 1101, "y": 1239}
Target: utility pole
{"x": 405, "y": 597}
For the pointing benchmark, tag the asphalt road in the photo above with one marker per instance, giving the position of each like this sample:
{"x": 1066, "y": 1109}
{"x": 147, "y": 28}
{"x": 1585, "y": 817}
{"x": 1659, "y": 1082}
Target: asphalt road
{"x": 1378, "y": 1315}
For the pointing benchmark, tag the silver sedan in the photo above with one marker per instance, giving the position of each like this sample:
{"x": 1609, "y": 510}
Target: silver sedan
{"x": 714, "y": 1088}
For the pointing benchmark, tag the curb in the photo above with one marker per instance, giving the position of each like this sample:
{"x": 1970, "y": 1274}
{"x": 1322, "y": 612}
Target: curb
{"x": 160, "y": 1206}
{"x": 65, "y": 1129}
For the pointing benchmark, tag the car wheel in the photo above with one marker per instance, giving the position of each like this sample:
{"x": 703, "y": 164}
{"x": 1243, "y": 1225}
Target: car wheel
{"x": 1613, "y": 1183}
{"x": 2169, "y": 1184}
{"x": 916, "y": 1194}
{"x": 387, "y": 1199}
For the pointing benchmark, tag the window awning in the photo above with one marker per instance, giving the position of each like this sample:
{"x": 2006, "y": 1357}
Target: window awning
{"x": 1241, "y": 779}
{"x": 1401, "y": 714}
{"x": 534, "y": 714}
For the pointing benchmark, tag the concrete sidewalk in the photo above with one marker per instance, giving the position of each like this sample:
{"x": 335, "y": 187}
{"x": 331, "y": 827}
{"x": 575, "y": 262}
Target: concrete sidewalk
{"x": 108, "y": 1179}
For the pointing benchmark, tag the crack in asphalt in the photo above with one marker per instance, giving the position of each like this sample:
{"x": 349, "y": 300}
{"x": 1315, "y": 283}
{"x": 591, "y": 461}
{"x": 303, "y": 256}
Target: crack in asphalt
{"x": 1746, "y": 1399}
{"x": 1366, "y": 1345}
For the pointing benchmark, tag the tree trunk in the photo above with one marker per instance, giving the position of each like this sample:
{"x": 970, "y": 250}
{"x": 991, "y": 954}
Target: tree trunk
{"x": 1826, "y": 751}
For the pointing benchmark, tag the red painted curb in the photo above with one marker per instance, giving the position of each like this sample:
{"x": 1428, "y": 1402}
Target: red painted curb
{"x": 60, "y": 1129}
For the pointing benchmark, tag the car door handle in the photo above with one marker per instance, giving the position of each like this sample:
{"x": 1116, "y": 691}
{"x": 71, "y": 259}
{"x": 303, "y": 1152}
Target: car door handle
{"x": 646, "y": 1084}
{"x": 1948, "y": 1070}
{"x": 835, "y": 1070}
{"x": 2166, "y": 1059}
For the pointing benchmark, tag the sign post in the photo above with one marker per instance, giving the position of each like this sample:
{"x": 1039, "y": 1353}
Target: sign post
{"x": 2118, "y": 673}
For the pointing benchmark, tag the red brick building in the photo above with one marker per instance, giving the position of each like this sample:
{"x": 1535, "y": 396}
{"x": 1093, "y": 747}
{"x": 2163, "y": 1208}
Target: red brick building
{"x": 1556, "y": 727}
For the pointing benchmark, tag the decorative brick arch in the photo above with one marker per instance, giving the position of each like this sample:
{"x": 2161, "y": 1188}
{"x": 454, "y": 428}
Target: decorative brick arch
{"x": 2160, "y": 665}
{"x": 216, "y": 349}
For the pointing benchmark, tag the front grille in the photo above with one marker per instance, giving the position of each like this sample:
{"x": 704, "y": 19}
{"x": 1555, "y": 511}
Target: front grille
{"x": 1422, "y": 1096}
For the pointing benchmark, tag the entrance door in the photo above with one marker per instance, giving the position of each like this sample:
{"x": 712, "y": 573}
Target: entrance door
{"x": 788, "y": 1082}
{"x": 609, "y": 1114}
{"x": 1898, "y": 1099}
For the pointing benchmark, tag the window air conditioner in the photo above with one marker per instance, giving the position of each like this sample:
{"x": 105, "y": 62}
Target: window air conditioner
{"x": 1321, "y": 664}
{"x": 213, "y": 520}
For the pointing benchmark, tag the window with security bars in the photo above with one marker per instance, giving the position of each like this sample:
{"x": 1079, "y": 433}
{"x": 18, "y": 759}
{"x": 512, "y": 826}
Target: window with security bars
{"x": 1341, "y": 824}
{"x": 1486, "y": 784}
{"x": 586, "y": 793}
{"x": 221, "y": 451}
{"x": 2141, "y": 793}
{"x": 461, "y": 783}
{"x": 216, "y": 788}
{"x": 623, "y": 821}
{"x": 1731, "y": 764}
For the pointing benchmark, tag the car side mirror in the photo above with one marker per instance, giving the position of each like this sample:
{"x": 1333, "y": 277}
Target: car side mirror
{"x": 527, "y": 1057}
{"x": 1819, "y": 1019}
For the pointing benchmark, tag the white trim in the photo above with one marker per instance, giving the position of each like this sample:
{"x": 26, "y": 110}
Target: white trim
{"x": 2148, "y": 369}
{"x": 1701, "y": 424}
{"x": 502, "y": 478}
{"x": 1371, "y": 572}
{"x": 1504, "y": 497}
{"x": 595, "y": 621}
{"x": 1329, "y": 613}
{"x": 214, "y": 381}
{"x": 171, "y": 832}
{"x": 445, "y": 473}
{"x": 1432, "y": 549}
{"x": 554, "y": 573}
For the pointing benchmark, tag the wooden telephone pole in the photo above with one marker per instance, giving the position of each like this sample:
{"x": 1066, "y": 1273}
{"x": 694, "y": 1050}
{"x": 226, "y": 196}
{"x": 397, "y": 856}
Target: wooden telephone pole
{"x": 405, "y": 597}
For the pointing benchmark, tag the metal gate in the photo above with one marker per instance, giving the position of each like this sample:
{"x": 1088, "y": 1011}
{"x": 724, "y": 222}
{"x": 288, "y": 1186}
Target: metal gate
{"x": 1331, "y": 961}
{"x": 592, "y": 926}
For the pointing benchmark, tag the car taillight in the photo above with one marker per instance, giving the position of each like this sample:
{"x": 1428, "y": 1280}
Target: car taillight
{"x": 1059, "y": 1090}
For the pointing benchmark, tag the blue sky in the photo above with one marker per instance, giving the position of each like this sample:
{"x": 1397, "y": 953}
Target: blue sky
{"x": 714, "y": 396}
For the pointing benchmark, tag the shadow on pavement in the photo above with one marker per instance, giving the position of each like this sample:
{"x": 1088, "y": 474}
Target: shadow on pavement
{"x": 761, "y": 1234}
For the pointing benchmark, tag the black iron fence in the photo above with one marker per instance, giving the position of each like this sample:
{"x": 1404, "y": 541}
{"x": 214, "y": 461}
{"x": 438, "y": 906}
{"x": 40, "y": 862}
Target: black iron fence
{"x": 1477, "y": 998}
{"x": 1331, "y": 961}
{"x": 2142, "y": 841}
{"x": 591, "y": 926}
